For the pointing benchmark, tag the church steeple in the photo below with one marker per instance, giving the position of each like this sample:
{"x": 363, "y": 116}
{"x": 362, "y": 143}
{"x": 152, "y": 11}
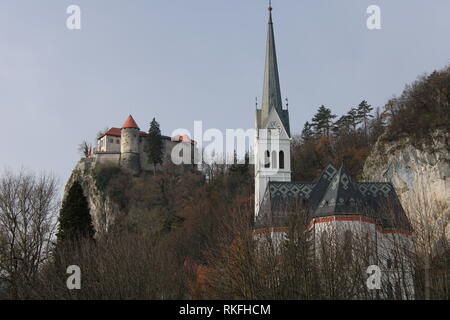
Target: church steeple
{"x": 273, "y": 137}
{"x": 271, "y": 89}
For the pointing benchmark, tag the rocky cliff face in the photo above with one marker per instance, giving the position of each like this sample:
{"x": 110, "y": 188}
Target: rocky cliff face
{"x": 415, "y": 169}
{"x": 103, "y": 209}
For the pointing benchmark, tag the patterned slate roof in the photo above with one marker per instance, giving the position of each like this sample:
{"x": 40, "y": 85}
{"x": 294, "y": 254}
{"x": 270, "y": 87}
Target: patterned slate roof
{"x": 288, "y": 189}
{"x": 341, "y": 195}
{"x": 334, "y": 193}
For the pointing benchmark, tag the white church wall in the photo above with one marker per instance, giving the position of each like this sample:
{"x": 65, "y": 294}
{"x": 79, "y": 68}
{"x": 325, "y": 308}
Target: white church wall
{"x": 394, "y": 252}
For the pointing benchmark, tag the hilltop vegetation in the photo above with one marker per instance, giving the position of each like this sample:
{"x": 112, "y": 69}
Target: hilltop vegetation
{"x": 423, "y": 107}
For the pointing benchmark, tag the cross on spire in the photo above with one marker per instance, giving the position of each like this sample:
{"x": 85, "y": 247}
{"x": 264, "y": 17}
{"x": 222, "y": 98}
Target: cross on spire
{"x": 270, "y": 11}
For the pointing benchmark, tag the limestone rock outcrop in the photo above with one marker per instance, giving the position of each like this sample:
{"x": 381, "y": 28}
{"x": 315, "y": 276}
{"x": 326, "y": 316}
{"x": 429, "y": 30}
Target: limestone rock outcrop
{"x": 103, "y": 209}
{"x": 415, "y": 168}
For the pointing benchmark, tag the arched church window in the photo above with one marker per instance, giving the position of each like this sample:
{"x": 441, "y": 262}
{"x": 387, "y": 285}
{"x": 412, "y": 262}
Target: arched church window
{"x": 281, "y": 159}
{"x": 274, "y": 159}
{"x": 267, "y": 159}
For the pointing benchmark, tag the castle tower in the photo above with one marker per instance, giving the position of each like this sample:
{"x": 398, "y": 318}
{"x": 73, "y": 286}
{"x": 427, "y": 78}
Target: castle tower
{"x": 129, "y": 146}
{"x": 273, "y": 137}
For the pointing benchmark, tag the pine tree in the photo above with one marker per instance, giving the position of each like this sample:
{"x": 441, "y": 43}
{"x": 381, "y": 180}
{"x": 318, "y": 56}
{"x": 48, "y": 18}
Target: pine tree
{"x": 323, "y": 121}
{"x": 75, "y": 219}
{"x": 343, "y": 124}
{"x": 307, "y": 132}
{"x": 154, "y": 146}
{"x": 364, "y": 110}
{"x": 354, "y": 118}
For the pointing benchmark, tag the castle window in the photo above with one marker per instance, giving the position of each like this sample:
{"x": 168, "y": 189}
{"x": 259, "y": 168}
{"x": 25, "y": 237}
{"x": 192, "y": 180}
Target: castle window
{"x": 267, "y": 159}
{"x": 117, "y": 141}
{"x": 274, "y": 160}
{"x": 111, "y": 141}
{"x": 281, "y": 159}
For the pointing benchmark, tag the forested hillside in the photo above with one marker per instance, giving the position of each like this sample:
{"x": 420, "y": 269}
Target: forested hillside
{"x": 179, "y": 236}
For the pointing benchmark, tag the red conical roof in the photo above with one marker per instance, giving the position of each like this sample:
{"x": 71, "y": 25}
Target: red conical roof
{"x": 130, "y": 123}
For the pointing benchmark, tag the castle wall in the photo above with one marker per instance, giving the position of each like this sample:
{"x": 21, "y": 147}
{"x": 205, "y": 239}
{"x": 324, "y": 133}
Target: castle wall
{"x": 130, "y": 162}
{"x": 107, "y": 158}
{"x": 168, "y": 145}
{"x": 129, "y": 140}
{"x": 129, "y": 148}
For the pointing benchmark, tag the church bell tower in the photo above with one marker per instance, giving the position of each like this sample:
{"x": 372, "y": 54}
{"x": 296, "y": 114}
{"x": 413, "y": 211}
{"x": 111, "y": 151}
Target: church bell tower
{"x": 273, "y": 136}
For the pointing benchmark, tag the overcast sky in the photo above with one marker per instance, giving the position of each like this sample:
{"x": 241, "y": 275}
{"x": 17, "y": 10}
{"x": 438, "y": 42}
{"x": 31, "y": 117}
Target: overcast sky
{"x": 181, "y": 61}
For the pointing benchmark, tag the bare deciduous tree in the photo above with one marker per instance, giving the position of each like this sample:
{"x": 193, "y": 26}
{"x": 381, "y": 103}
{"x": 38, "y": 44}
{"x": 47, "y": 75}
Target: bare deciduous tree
{"x": 430, "y": 222}
{"x": 28, "y": 209}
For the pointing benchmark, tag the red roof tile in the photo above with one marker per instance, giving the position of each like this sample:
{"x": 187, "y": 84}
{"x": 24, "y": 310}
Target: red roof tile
{"x": 130, "y": 123}
{"x": 117, "y": 132}
{"x": 113, "y": 132}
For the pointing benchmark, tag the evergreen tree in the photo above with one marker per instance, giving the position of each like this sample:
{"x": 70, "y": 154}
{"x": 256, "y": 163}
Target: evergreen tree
{"x": 364, "y": 110}
{"x": 354, "y": 118}
{"x": 307, "y": 132}
{"x": 343, "y": 124}
{"x": 154, "y": 146}
{"x": 75, "y": 219}
{"x": 323, "y": 121}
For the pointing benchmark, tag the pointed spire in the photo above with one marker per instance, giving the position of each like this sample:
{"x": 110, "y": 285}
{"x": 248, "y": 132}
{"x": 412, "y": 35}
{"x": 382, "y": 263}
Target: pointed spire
{"x": 271, "y": 88}
{"x": 130, "y": 123}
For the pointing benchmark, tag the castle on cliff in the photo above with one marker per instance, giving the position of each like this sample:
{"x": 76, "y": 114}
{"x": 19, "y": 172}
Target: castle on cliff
{"x": 125, "y": 147}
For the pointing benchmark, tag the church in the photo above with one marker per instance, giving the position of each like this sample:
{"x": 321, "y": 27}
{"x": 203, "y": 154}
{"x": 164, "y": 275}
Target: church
{"x": 335, "y": 204}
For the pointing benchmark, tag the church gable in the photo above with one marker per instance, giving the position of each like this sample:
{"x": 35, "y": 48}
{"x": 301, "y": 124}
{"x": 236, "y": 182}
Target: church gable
{"x": 274, "y": 122}
{"x": 341, "y": 195}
